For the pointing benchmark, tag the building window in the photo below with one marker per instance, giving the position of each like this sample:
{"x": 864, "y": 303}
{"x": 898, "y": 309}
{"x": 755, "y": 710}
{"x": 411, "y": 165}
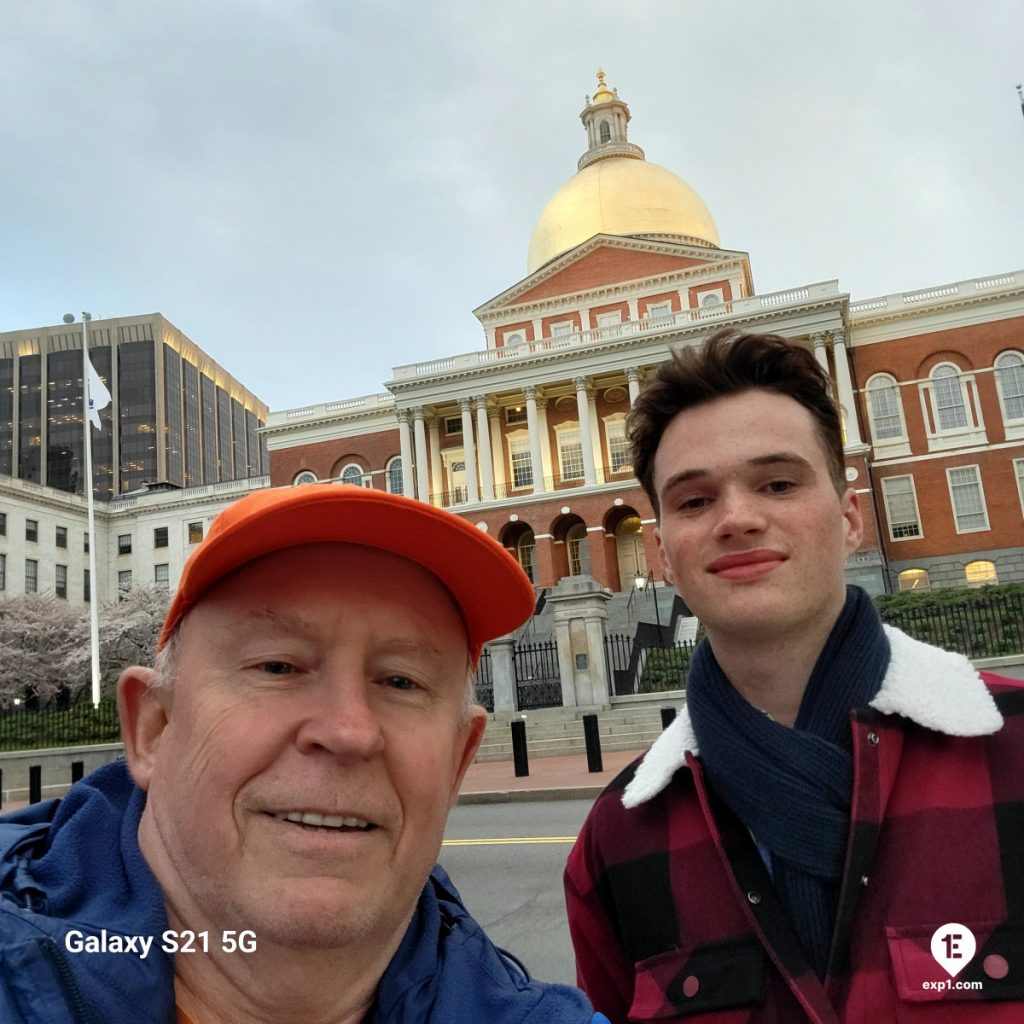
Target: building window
{"x": 85, "y": 542}
{"x": 32, "y": 529}
{"x": 1010, "y": 385}
{"x": 62, "y": 537}
{"x": 515, "y": 414}
{"x": 3, "y": 524}
{"x": 195, "y": 533}
{"x": 522, "y": 465}
{"x": 453, "y": 425}
{"x": 901, "y": 507}
{"x": 980, "y": 573}
{"x": 570, "y": 454}
{"x": 514, "y": 340}
{"x": 160, "y": 537}
{"x": 605, "y": 132}
{"x": 1018, "y": 468}
{"x": 526, "y": 548}
{"x": 914, "y": 579}
{"x": 86, "y": 587}
{"x": 968, "y": 498}
{"x": 579, "y": 552}
{"x": 60, "y": 581}
{"x": 3, "y": 572}
{"x": 352, "y": 474}
{"x": 885, "y": 411}
{"x": 708, "y": 299}
{"x": 394, "y": 477}
{"x": 124, "y": 544}
{"x": 161, "y": 575}
{"x": 620, "y": 456}
{"x": 124, "y": 580}
{"x": 305, "y": 477}
{"x": 31, "y": 576}
{"x": 563, "y": 328}
{"x": 660, "y": 311}
{"x": 951, "y": 409}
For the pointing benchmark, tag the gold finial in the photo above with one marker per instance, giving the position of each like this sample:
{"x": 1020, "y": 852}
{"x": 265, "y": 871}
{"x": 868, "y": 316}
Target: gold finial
{"x": 603, "y": 94}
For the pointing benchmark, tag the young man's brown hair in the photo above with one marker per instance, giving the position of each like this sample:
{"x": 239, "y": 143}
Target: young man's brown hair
{"x": 729, "y": 363}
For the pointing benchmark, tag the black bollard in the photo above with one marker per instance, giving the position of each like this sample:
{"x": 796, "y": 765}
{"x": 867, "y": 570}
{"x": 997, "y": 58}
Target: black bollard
{"x": 668, "y": 716}
{"x": 77, "y": 771}
{"x": 1, "y": 787}
{"x": 35, "y": 783}
{"x": 519, "y": 756}
{"x": 593, "y": 738}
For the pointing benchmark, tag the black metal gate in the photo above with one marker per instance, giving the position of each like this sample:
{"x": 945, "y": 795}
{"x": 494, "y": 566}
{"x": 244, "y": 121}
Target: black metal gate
{"x": 484, "y": 681}
{"x": 538, "y": 684}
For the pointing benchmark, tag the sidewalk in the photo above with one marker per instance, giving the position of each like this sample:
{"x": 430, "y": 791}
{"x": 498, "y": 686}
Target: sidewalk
{"x": 550, "y": 778}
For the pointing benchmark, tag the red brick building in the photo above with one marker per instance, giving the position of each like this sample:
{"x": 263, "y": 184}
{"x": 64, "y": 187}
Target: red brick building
{"x": 525, "y": 437}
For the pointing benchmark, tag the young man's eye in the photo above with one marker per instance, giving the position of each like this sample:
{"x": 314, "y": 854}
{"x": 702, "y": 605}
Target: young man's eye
{"x": 694, "y": 504}
{"x": 781, "y": 486}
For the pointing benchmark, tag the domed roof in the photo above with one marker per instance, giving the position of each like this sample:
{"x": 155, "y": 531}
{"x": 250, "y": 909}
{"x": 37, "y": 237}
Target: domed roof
{"x": 617, "y": 192}
{"x": 620, "y": 196}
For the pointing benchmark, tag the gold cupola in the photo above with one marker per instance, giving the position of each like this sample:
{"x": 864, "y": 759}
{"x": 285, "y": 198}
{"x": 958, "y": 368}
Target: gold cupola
{"x": 616, "y": 191}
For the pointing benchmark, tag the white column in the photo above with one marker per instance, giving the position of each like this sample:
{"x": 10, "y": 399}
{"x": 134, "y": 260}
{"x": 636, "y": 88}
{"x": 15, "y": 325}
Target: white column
{"x": 434, "y": 432}
{"x": 544, "y": 439}
{"x": 846, "y": 399}
{"x": 536, "y": 465}
{"x": 498, "y": 454}
{"x": 595, "y": 433}
{"x": 633, "y": 383}
{"x": 420, "y": 436}
{"x": 684, "y": 299}
{"x": 820, "y": 352}
{"x": 472, "y": 487}
{"x": 484, "y": 447}
{"x": 492, "y": 336}
{"x": 538, "y": 330}
{"x": 634, "y": 309}
{"x": 586, "y": 435}
{"x": 405, "y": 451}
{"x": 584, "y": 319}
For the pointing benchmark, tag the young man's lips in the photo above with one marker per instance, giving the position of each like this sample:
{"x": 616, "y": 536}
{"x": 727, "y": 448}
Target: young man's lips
{"x": 746, "y": 564}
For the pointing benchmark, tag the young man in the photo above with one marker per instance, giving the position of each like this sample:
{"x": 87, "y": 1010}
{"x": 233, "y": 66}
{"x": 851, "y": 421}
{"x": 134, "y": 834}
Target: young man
{"x": 835, "y": 792}
{"x": 267, "y": 854}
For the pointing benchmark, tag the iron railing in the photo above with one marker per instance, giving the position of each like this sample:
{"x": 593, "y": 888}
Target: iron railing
{"x": 538, "y": 681}
{"x": 635, "y": 666}
{"x": 26, "y": 728}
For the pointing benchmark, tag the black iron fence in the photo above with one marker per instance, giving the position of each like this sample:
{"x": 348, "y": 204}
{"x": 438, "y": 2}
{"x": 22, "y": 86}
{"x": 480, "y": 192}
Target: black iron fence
{"x": 638, "y": 667}
{"x": 980, "y": 626}
{"x": 484, "y": 681}
{"x": 27, "y": 728}
{"x": 538, "y": 681}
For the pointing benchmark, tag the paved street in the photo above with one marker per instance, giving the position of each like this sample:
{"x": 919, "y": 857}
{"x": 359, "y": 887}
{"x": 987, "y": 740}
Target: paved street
{"x": 514, "y": 888}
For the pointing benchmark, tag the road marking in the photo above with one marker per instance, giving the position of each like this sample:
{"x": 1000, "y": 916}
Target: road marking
{"x": 509, "y": 841}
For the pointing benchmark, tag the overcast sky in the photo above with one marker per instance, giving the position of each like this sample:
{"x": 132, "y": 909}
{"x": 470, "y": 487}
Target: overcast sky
{"x": 316, "y": 191}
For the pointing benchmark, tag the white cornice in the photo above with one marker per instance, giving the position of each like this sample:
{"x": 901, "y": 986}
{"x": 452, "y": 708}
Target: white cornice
{"x": 497, "y": 306}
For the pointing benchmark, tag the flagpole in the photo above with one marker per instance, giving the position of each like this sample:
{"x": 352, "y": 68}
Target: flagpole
{"x": 94, "y": 614}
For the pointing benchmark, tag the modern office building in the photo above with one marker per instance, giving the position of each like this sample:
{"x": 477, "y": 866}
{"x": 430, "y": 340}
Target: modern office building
{"x": 525, "y": 436}
{"x": 176, "y": 417}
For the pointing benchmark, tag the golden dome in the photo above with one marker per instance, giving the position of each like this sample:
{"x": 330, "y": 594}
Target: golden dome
{"x": 620, "y": 196}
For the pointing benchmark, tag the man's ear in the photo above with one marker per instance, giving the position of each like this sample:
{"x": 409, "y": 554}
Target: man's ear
{"x": 666, "y": 568}
{"x": 469, "y": 736}
{"x": 142, "y": 709}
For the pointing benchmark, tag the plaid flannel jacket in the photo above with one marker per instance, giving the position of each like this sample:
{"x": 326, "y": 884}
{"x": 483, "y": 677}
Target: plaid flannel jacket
{"x": 672, "y": 912}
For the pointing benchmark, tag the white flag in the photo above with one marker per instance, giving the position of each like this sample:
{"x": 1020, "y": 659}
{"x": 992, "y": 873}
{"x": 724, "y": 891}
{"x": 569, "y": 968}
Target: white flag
{"x": 99, "y": 396}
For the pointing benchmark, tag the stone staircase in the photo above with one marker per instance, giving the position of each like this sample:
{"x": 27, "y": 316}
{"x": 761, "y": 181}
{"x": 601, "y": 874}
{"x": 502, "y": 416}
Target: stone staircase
{"x": 555, "y": 731}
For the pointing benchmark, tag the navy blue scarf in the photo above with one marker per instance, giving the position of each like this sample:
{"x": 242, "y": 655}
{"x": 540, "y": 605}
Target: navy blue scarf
{"x": 792, "y": 787}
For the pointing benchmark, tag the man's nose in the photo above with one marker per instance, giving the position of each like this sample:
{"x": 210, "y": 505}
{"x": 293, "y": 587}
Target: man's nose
{"x": 342, "y": 719}
{"x": 739, "y": 512}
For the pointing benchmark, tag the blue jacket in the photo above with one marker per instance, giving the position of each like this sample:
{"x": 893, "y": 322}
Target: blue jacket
{"x": 76, "y": 864}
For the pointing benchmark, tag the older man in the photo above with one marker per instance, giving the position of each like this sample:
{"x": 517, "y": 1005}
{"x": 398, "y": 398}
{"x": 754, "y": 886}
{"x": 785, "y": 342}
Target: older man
{"x": 267, "y": 853}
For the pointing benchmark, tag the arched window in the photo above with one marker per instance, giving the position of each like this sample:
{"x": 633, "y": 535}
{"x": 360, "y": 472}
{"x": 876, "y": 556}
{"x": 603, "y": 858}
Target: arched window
{"x": 885, "y": 408}
{"x": 606, "y": 132}
{"x": 394, "y": 476}
{"x": 914, "y": 579}
{"x": 525, "y": 548}
{"x": 579, "y": 551}
{"x": 1010, "y": 385}
{"x": 352, "y": 474}
{"x": 950, "y": 411}
{"x": 305, "y": 477}
{"x": 981, "y": 572}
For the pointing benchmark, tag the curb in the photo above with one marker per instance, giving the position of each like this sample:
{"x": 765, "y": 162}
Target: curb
{"x": 519, "y": 796}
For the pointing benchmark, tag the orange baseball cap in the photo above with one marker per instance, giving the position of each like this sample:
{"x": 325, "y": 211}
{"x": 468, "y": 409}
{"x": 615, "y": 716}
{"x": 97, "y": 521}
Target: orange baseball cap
{"x": 491, "y": 591}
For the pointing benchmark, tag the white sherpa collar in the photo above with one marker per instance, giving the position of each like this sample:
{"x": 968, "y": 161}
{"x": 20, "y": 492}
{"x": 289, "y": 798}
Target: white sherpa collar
{"x": 934, "y": 688}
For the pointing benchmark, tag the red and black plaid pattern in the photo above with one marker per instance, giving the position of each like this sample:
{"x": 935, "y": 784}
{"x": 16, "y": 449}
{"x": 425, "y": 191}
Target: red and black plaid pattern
{"x": 673, "y": 915}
